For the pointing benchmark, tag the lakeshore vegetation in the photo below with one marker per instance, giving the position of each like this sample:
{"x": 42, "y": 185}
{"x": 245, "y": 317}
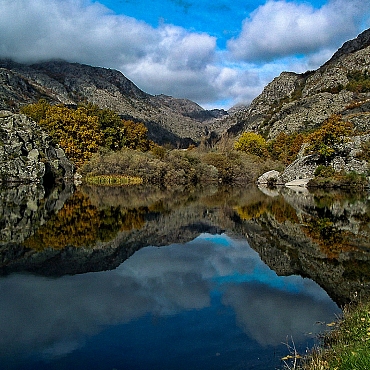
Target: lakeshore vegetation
{"x": 109, "y": 150}
{"x": 345, "y": 347}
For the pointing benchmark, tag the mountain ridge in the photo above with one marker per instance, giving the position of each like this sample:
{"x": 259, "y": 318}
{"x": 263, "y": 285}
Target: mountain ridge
{"x": 179, "y": 121}
{"x": 295, "y": 102}
{"x": 291, "y": 102}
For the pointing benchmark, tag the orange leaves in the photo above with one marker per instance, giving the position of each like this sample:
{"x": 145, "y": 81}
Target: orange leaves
{"x": 80, "y": 132}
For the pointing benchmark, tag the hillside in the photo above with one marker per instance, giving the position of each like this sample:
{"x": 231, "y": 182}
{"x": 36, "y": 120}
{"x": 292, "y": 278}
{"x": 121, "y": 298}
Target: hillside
{"x": 300, "y": 102}
{"x": 290, "y": 103}
{"x": 169, "y": 120}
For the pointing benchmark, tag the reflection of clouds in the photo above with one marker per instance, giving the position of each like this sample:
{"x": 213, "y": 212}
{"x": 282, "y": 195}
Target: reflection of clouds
{"x": 270, "y": 316}
{"x": 53, "y": 316}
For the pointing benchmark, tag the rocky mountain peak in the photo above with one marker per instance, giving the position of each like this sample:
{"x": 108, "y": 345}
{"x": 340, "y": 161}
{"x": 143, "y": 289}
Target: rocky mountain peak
{"x": 301, "y": 102}
{"x": 362, "y": 41}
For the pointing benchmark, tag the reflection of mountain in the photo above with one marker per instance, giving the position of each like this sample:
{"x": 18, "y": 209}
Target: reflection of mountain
{"x": 100, "y": 230}
{"x": 321, "y": 236}
{"x": 315, "y": 235}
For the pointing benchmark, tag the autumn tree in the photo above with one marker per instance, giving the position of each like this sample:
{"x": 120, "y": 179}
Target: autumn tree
{"x": 252, "y": 143}
{"x": 81, "y": 131}
{"x": 284, "y": 147}
{"x": 77, "y": 133}
{"x": 332, "y": 132}
{"x": 111, "y": 126}
{"x": 135, "y": 136}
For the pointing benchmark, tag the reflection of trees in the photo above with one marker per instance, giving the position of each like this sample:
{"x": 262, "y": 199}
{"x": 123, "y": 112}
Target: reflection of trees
{"x": 79, "y": 223}
{"x": 331, "y": 240}
{"x": 326, "y": 222}
{"x": 281, "y": 210}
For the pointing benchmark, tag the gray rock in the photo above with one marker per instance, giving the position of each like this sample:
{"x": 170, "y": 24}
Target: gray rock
{"x": 345, "y": 159}
{"x": 268, "y": 177}
{"x": 26, "y": 152}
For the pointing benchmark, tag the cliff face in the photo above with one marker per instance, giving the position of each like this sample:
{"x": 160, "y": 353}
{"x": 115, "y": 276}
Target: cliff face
{"x": 27, "y": 153}
{"x": 299, "y": 102}
{"x": 170, "y": 120}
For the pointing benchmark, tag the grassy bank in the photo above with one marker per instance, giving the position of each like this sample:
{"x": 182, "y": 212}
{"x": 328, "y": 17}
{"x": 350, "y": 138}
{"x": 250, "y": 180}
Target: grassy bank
{"x": 347, "y": 346}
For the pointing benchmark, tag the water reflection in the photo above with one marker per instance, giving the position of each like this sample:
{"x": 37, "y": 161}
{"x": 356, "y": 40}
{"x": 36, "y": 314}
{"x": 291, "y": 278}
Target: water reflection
{"x": 324, "y": 236}
{"x": 48, "y": 322}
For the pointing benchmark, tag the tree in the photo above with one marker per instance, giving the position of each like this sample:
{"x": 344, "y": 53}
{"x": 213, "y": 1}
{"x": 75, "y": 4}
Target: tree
{"x": 332, "y": 132}
{"x": 77, "y": 133}
{"x": 252, "y": 143}
{"x": 284, "y": 147}
{"x": 135, "y": 136}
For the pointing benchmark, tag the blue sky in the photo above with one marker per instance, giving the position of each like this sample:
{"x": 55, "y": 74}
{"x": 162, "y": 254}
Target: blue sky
{"x": 217, "y": 53}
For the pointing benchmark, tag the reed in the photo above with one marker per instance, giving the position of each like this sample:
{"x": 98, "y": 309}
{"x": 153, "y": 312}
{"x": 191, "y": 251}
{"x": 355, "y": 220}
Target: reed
{"x": 113, "y": 180}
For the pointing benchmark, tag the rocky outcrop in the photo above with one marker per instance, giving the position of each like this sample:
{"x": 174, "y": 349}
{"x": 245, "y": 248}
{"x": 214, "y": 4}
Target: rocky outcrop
{"x": 27, "y": 154}
{"x": 269, "y": 178}
{"x": 300, "y": 102}
{"x": 345, "y": 159}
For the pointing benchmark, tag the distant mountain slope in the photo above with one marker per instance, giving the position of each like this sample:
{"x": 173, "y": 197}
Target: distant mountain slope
{"x": 178, "y": 121}
{"x": 300, "y": 102}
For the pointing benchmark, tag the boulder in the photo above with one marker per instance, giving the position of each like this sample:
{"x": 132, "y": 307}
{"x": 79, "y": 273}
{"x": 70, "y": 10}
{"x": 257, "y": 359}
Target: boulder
{"x": 269, "y": 178}
{"x": 27, "y": 154}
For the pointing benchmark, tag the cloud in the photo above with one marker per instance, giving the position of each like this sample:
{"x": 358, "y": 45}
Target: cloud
{"x": 53, "y": 317}
{"x": 270, "y": 316}
{"x": 281, "y": 28}
{"x": 74, "y": 30}
{"x": 173, "y": 60}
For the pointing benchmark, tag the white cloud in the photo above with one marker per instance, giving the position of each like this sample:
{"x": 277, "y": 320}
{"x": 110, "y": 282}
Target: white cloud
{"x": 73, "y": 30}
{"x": 172, "y": 60}
{"x": 281, "y": 28}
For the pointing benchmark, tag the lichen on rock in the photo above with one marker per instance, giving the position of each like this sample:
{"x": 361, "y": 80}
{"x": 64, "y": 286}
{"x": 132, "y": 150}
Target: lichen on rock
{"x": 27, "y": 154}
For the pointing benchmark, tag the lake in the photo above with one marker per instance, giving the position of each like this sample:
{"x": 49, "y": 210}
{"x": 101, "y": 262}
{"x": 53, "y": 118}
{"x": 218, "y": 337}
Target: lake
{"x": 138, "y": 278}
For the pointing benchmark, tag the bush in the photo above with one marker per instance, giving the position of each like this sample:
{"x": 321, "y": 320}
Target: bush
{"x": 359, "y": 81}
{"x": 324, "y": 171}
{"x": 176, "y": 168}
{"x": 332, "y": 132}
{"x": 82, "y": 131}
{"x": 284, "y": 148}
{"x": 252, "y": 143}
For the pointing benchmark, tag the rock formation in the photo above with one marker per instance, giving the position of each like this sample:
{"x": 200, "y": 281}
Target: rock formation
{"x": 27, "y": 154}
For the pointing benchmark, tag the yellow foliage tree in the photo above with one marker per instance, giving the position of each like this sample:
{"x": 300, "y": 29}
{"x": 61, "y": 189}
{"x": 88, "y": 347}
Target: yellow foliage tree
{"x": 333, "y": 132}
{"x": 252, "y": 143}
{"x": 77, "y": 133}
{"x": 135, "y": 136}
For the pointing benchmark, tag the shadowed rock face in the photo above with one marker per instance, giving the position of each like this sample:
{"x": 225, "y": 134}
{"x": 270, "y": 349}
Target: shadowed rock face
{"x": 27, "y": 154}
{"x": 320, "y": 236}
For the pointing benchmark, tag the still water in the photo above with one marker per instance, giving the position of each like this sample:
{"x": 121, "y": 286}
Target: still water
{"x": 168, "y": 282}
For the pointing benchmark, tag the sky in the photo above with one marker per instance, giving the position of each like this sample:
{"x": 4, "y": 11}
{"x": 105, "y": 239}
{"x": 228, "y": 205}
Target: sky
{"x": 217, "y": 53}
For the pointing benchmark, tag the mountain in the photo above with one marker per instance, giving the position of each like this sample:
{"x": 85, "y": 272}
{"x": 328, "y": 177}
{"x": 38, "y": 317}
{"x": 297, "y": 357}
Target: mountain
{"x": 300, "y": 102}
{"x": 169, "y": 120}
{"x": 292, "y": 102}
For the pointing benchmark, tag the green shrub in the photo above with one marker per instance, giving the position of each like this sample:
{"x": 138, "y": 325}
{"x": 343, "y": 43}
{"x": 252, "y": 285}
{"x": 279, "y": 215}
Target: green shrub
{"x": 324, "y": 171}
{"x": 359, "y": 81}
